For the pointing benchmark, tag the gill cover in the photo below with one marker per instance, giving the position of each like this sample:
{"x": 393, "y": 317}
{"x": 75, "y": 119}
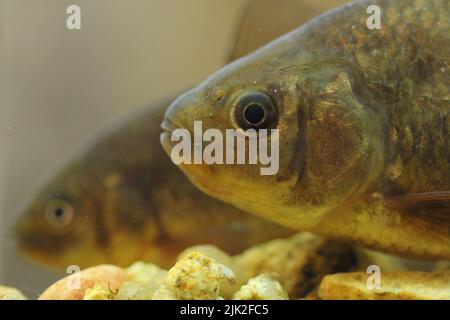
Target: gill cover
{"x": 343, "y": 143}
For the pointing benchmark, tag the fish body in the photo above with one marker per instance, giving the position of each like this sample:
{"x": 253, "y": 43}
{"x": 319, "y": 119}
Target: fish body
{"x": 363, "y": 127}
{"x": 120, "y": 200}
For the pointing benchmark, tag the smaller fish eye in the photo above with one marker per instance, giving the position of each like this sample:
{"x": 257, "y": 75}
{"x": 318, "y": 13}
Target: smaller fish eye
{"x": 59, "y": 213}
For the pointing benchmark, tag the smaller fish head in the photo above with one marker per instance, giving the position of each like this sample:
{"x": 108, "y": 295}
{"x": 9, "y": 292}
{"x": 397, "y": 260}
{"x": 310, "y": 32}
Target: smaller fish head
{"x": 56, "y": 229}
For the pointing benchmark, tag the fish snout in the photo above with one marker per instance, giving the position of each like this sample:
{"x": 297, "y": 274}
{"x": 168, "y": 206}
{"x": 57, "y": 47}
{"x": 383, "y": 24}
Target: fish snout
{"x": 180, "y": 115}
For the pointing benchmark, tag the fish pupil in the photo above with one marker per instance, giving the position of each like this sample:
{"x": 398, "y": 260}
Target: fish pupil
{"x": 254, "y": 114}
{"x": 59, "y": 212}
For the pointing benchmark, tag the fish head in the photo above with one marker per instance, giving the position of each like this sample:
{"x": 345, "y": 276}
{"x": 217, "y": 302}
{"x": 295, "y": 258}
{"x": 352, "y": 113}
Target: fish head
{"x": 58, "y": 227}
{"x": 95, "y": 211}
{"x": 324, "y": 136}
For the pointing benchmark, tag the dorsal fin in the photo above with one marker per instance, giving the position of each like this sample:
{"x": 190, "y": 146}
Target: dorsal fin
{"x": 266, "y": 20}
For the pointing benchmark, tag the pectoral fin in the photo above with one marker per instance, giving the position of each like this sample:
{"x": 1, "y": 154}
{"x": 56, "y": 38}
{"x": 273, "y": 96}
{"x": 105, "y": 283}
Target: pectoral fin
{"x": 431, "y": 206}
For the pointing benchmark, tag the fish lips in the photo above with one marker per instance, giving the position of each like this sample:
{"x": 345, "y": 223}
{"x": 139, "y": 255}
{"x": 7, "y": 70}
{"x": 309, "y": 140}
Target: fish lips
{"x": 199, "y": 174}
{"x": 168, "y": 128}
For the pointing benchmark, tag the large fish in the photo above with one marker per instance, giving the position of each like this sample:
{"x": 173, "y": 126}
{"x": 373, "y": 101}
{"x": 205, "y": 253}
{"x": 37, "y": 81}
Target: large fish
{"x": 363, "y": 127}
{"x": 121, "y": 200}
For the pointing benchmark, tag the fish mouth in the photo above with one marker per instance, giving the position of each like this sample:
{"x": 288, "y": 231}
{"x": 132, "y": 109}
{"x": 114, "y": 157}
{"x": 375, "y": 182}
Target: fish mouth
{"x": 199, "y": 174}
{"x": 168, "y": 127}
{"x": 37, "y": 255}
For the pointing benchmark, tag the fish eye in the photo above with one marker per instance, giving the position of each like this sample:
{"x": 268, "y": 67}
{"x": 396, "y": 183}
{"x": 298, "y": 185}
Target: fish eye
{"x": 59, "y": 213}
{"x": 254, "y": 110}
